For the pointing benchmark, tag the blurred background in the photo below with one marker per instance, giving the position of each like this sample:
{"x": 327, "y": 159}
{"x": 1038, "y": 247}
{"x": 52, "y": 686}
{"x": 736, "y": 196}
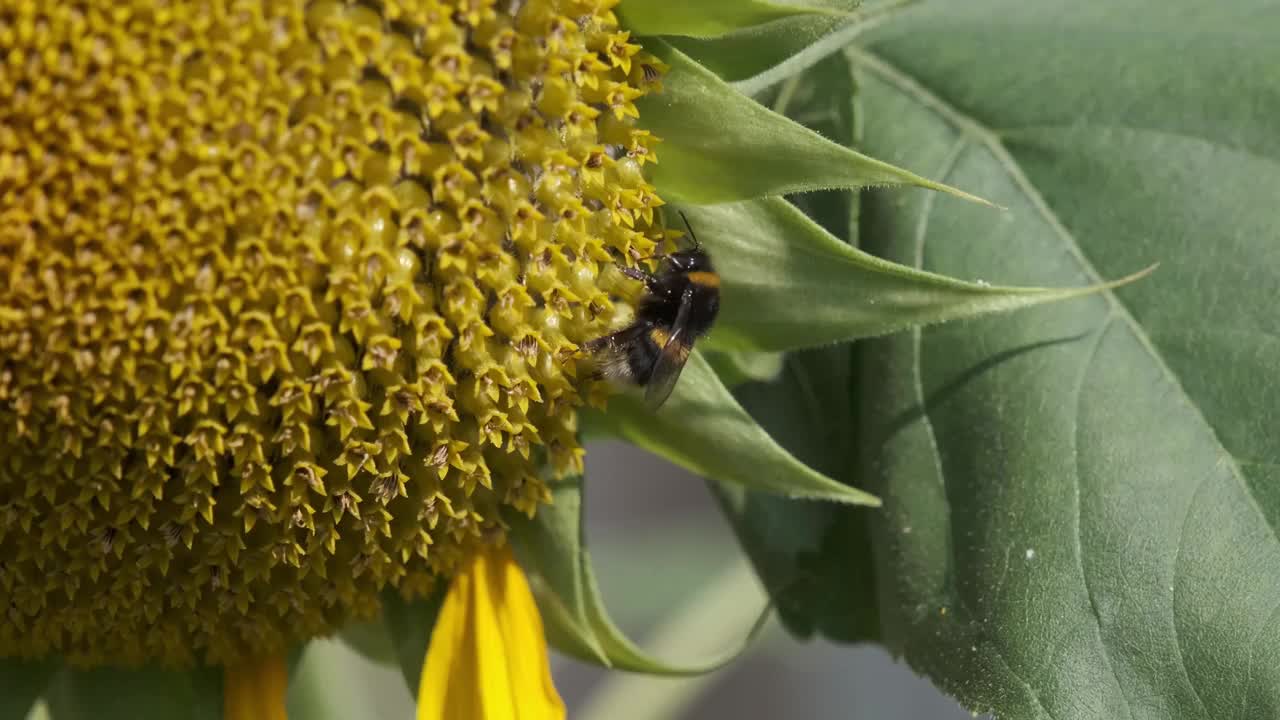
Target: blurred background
{"x": 674, "y": 579}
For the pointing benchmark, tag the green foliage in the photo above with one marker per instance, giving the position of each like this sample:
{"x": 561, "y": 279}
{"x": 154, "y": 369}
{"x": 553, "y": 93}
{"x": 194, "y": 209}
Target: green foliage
{"x": 1080, "y": 515}
{"x": 803, "y": 551}
{"x": 111, "y": 694}
{"x": 552, "y": 548}
{"x": 372, "y": 639}
{"x": 705, "y": 430}
{"x": 409, "y": 623}
{"x": 752, "y": 58}
{"x": 20, "y": 684}
{"x": 735, "y": 367}
{"x": 710, "y": 18}
{"x": 707, "y": 158}
{"x": 788, "y": 284}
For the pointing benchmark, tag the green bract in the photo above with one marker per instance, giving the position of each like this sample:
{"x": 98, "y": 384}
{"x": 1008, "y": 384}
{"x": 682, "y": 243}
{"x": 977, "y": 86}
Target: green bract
{"x": 762, "y": 154}
{"x": 788, "y": 284}
{"x": 577, "y": 621}
{"x": 710, "y": 18}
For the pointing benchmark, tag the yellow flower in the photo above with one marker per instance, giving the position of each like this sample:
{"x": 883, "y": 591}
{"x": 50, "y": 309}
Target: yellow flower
{"x": 255, "y": 690}
{"x": 293, "y": 298}
{"x": 488, "y": 657}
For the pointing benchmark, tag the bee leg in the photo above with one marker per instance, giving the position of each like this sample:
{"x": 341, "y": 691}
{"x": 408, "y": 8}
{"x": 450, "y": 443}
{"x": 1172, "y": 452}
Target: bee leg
{"x": 637, "y": 274}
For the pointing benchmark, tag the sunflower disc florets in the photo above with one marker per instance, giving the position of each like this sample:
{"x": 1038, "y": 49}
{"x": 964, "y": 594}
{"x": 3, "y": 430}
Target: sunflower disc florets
{"x": 289, "y": 299}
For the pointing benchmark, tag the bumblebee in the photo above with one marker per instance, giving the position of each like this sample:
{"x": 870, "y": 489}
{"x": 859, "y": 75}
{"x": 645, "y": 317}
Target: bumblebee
{"x": 679, "y": 306}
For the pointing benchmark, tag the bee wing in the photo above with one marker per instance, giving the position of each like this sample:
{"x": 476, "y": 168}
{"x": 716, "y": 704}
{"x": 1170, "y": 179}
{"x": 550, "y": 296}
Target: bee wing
{"x": 666, "y": 370}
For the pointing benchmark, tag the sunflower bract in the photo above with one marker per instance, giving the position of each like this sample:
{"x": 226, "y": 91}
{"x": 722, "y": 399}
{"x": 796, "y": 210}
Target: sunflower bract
{"x": 290, "y": 294}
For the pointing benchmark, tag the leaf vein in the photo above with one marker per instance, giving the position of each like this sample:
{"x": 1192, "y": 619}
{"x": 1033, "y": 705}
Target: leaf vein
{"x": 1173, "y": 600}
{"x": 1013, "y": 133}
{"x": 922, "y": 232}
{"x": 1076, "y": 485}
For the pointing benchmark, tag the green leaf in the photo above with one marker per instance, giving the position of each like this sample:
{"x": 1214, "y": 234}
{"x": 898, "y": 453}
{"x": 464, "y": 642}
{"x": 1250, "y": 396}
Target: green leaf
{"x": 551, "y": 544}
{"x": 815, "y": 558}
{"x": 410, "y": 622}
{"x": 788, "y": 284}
{"x": 111, "y": 694}
{"x": 21, "y": 682}
{"x": 1082, "y": 514}
{"x": 707, "y": 18}
{"x": 552, "y": 549}
{"x": 735, "y": 367}
{"x": 824, "y": 98}
{"x": 704, "y": 159}
{"x": 723, "y": 606}
{"x": 371, "y": 639}
{"x": 756, "y": 57}
{"x": 702, "y": 428}
{"x": 801, "y": 550}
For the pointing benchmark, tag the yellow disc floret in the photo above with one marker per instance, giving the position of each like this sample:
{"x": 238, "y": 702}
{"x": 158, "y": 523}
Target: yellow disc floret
{"x": 289, "y": 299}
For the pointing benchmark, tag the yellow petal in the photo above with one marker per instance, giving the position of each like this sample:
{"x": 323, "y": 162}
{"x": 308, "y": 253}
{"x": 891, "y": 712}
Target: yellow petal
{"x": 255, "y": 689}
{"x": 488, "y": 655}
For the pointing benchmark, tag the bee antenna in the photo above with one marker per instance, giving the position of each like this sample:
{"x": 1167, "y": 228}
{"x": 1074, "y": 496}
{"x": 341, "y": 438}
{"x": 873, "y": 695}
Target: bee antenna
{"x": 687, "y": 226}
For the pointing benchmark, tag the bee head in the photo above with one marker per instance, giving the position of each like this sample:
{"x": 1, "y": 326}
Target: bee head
{"x": 688, "y": 261}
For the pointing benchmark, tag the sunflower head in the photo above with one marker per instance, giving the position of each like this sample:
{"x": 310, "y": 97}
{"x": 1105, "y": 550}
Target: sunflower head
{"x": 292, "y": 295}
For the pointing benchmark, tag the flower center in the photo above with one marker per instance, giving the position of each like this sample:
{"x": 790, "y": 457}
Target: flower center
{"x": 293, "y": 293}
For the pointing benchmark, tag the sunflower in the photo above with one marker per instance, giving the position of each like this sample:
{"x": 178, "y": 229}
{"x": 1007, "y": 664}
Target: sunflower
{"x": 294, "y": 307}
